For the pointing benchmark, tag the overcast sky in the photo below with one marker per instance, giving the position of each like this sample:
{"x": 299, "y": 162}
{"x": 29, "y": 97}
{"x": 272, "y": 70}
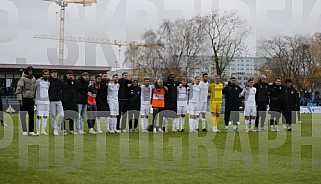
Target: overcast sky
{"x": 20, "y": 20}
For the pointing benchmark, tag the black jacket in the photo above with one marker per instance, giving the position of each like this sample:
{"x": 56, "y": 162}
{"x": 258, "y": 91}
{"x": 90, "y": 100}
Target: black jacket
{"x": 134, "y": 98}
{"x": 1, "y": 94}
{"x": 81, "y": 87}
{"x": 276, "y": 94}
{"x": 68, "y": 94}
{"x": 290, "y": 99}
{"x": 124, "y": 90}
{"x": 171, "y": 94}
{"x": 101, "y": 98}
{"x": 232, "y": 99}
{"x": 262, "y": 93}
{"x": 55, "y": 93}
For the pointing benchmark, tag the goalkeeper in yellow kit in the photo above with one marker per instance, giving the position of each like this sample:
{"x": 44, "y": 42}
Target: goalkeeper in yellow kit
{"x": 215, "y": 90}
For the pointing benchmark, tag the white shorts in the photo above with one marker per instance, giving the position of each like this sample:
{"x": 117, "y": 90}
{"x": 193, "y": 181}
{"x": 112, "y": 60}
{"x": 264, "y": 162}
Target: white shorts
{"x": 145, "y": 110}
{"x": 250, "y": 111}
{"x": 181, "y": 110}
{"x": 194, "y": 108}
{"x": 43, "y": 110}
{"x": 114, "y": 108}
{"x": 203, "y": 107}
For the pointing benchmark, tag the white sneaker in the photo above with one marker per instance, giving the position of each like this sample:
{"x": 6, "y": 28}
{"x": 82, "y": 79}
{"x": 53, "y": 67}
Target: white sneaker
{"x": 174, "y": 131}
{"x": 111, "y": 131}
{"x": 277, "y": 130}
{"x": 92, "y": 131}
{"x": 99, "y": 130}
{"x": 272, "y": 129}
{"x": 32, "y": 134}
{"x": 24, "y": 133}
{"x": 135, "y": 130}
{"x": 299, "y": 122}
{"x": 108, "y": 131}
{"x": 117, "y": 131}
{"x": 160, "y": 130}
{"x": 217, "y": 130}
{"x": 154, "y": 130}
{"x": 56, "y": 132}
{"x": 64, "y": 132}
{"x": 124, "y": 131}
{"x": 238, "y": 123}
{"x": 246, "y": 130}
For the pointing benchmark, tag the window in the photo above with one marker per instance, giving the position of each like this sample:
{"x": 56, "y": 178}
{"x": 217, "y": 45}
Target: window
{"x": 239, "y": 78}
{"x": 242, "y": 64}
{"x": 245, "y": 83}
{"x": 245, "y": 78}
{"x": 247, "y": 65}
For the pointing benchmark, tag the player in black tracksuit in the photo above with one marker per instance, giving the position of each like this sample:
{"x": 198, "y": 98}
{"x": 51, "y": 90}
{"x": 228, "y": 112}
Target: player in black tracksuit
{"x": 101, "y": 102}
{"x": 262, "y": 101}
{"x": 232, "y": 102}
{"x": 1, "y": 108}
{"x": 134, "y": 105}
{"x": 276, "y": 91}
{"x": 123, "y": 96}
{"x": 170, "y": 96}
{"x": 289, "y": 107}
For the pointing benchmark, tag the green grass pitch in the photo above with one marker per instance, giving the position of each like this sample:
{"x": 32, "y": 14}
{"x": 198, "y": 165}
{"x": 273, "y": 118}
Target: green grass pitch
{"x": 163, "y": 158}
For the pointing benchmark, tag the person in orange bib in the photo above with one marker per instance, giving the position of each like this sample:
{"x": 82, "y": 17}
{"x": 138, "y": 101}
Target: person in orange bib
{"x": 158, "y": 104}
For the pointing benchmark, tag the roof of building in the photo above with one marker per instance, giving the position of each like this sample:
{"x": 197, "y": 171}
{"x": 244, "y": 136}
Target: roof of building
{"x": 59, "y": 68}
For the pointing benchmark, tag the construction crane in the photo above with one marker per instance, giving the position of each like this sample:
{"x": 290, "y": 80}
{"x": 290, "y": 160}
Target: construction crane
{"x": 100, "y": 41}
{"x": 63, "y": 4}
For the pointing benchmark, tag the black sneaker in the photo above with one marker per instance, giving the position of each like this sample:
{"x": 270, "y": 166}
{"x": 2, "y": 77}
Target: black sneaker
{"x": 204, "y": 130}
{"x": 197, "y": 130}
{"x": 290, "y": 129}
{"x": 182, "y": 130}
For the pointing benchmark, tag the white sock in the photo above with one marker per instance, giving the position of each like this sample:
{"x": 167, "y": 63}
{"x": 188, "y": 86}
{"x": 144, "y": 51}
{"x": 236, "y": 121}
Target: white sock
{"x": 166, "y": 124}
{"x": 44, "y": 123}
{"x": 183, "y": 123}
{"x": 252, "y": 123}
{"x": 107, "y": 120}
{"x": 38, "y": 124}
{"x": 272, "y": 126}
{"x": 215, "y": 127}
{"x": 284, "y": 126}
{"x": 247, "y": 124}
{"x": 114, "y": 120}
{"x": 142, "y": 123}
{"x": 191, "y": 124}
{"x": 203, "y": 123}
{"x": 196, "y": 122}
{"x": 234, "y": 126}
{"x": 226, "y": 127}
{"x": 146, "y": 123}
{"x": 175, "y": 124}
{"x": 98, "y": 124}
{"x": 277, "y": 126}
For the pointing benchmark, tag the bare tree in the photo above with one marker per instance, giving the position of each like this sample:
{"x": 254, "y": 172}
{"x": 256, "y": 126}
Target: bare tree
{"x": 293, "y": 57}
{"x": 226, "y": 33}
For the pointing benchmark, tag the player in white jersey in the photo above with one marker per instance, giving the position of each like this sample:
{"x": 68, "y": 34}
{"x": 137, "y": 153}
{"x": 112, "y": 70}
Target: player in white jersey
{"x": 182, "y": 102}
{"x": 42, "y": 102}
{"x": 249, "y": 105}
{"x": 204, "y": 84}
{"x": 145, "y": 104}
{"x": 194, "y": 103}
{"x": 112, "y": 99}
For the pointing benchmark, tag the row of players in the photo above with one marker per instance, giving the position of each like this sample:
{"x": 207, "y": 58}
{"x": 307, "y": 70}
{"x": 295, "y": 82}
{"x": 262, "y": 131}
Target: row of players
{"x": 104, "y": 98}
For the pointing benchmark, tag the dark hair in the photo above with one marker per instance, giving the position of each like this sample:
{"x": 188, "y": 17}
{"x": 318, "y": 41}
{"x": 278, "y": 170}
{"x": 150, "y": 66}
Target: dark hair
{"x": 288, "y": 81}
{"x": 277, "y": 78}
{"x": 44, "y": 71}
{"x": 70, "y": 72}
{"x": 97, "y": 76}
{"x": 233, "y": 78}
{"x": 115, "y": 75}
{"x": 250, "y": 79}
{"x": 53, "y": 71}
{"x": 84, "y": 74}
{"x": 145, "y": 79}
{"x": 204, "y": 74}
{"x": 123, "y": 73}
